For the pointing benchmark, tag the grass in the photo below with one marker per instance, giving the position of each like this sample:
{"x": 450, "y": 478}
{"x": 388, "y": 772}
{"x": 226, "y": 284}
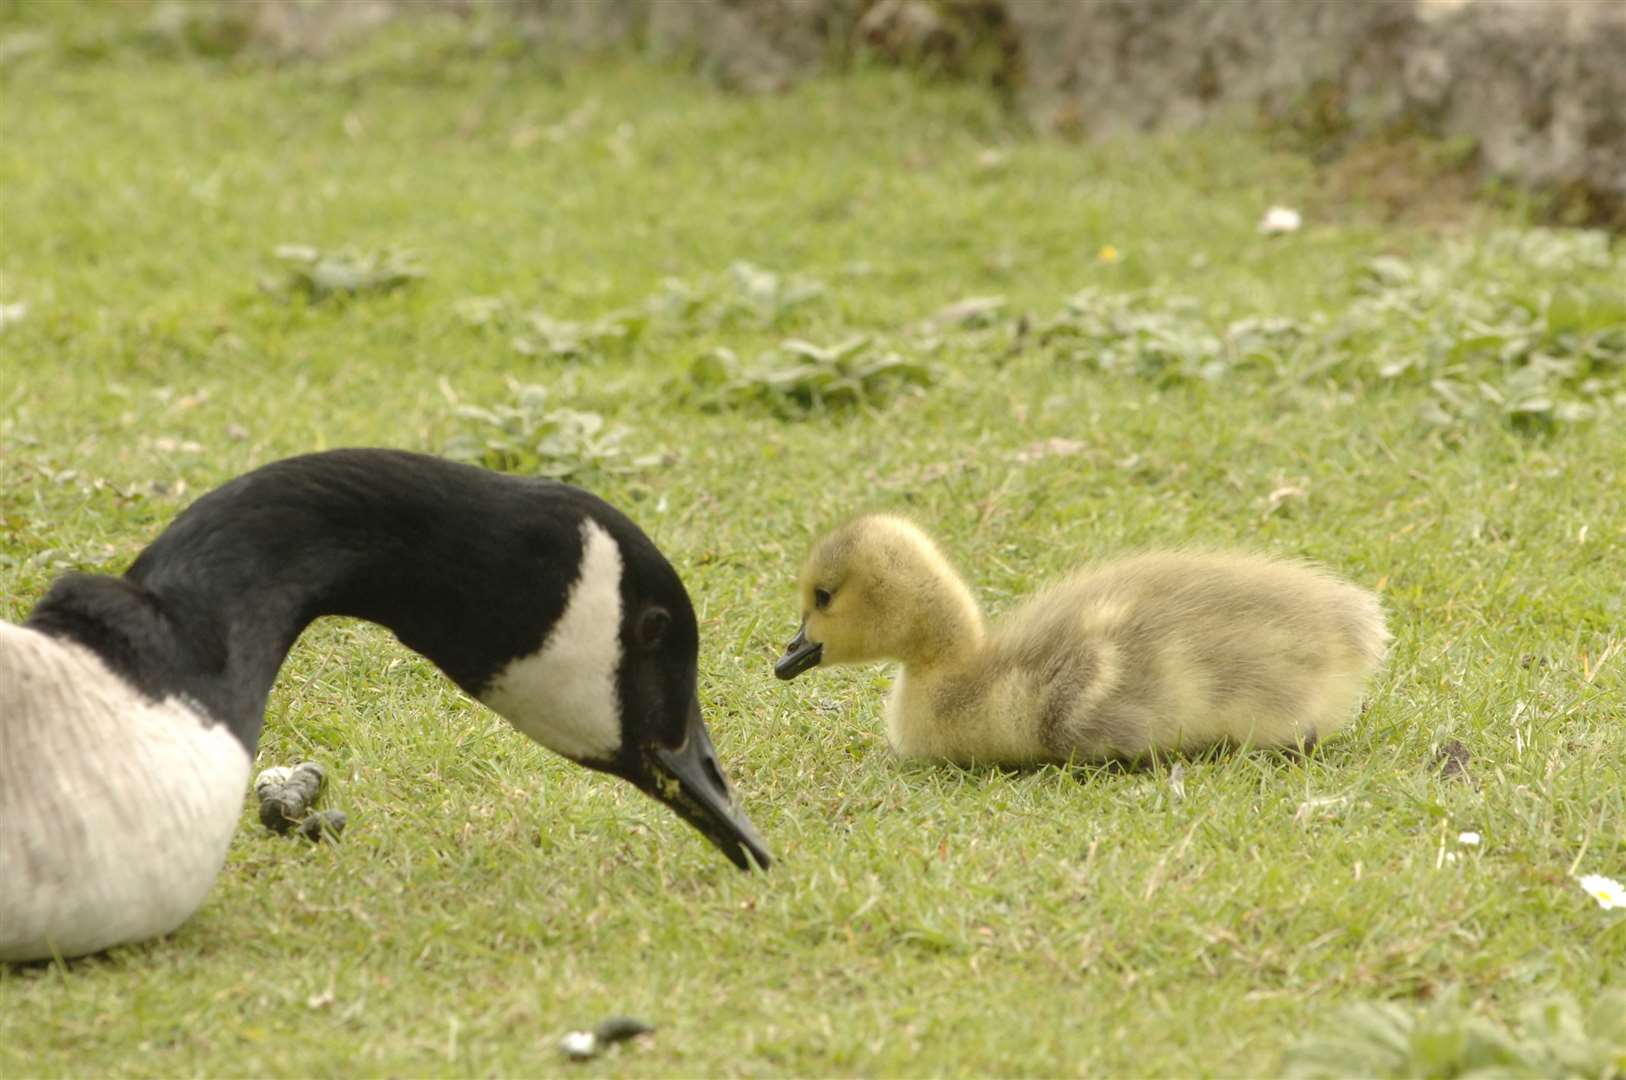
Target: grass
{"x": 922, "y": 920}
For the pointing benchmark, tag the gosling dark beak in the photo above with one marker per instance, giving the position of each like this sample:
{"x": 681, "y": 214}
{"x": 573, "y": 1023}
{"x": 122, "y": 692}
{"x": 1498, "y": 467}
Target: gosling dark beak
{"x": 800, "y": 655}
{"x": 689, "y": 780}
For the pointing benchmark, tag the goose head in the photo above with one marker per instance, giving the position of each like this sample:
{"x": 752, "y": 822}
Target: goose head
{"x": 612, "y": 683}
{"x": 877, "y": 588}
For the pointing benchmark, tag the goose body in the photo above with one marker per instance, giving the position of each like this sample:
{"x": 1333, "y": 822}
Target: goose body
{"x": 1159, "y": 652}
{"x": 125, "y": 851}
{"x": 130, "y": 707}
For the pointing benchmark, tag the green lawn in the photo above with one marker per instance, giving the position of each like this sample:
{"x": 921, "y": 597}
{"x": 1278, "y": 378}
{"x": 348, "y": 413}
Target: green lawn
{"x": 1435, "y": 414}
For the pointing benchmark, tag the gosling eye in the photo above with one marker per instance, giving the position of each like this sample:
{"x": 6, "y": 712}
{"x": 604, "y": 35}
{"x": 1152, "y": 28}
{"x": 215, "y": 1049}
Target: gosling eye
{"x": 821, "y": 598}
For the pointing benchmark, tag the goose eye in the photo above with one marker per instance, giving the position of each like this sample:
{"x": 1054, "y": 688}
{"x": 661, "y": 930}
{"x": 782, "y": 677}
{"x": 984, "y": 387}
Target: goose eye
{"x": 821, "y": 598}
{"x": 652, "y": 627}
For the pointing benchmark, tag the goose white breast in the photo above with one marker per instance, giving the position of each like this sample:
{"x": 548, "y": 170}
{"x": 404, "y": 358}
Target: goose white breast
{"x": 119, "y": 852}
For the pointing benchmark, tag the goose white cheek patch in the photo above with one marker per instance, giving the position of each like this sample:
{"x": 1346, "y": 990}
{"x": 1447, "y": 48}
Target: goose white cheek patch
{"x": 564, "y": 694}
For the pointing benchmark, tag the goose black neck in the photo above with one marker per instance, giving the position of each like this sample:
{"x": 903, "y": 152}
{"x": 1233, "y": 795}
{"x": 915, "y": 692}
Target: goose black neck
{"x": 445, "y": 555}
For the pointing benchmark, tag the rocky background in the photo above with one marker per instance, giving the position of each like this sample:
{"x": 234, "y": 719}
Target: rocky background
{"x": 1531, "y": 91}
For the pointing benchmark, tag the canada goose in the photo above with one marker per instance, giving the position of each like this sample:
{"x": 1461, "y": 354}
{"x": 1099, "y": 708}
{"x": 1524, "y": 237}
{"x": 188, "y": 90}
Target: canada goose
{"x": 130, "y": 706}
{"x": 1157, "y": 652}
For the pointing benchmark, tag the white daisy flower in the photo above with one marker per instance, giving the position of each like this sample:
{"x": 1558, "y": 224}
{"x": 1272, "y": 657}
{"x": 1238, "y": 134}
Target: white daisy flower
{"x": 1608, "y": 892}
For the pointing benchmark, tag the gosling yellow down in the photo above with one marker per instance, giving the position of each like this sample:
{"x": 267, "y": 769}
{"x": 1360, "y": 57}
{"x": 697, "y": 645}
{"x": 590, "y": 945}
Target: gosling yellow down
{"x": 1161, "y": 652}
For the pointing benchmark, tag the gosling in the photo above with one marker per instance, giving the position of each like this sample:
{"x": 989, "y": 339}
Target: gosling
{"x": 1165, "y": 652}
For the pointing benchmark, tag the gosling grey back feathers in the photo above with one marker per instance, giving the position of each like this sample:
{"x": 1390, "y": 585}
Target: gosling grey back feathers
{"x": 1173, "y": 650}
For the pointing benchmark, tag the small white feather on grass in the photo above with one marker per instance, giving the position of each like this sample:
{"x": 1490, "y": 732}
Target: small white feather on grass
{"x": 1280, "y": 219}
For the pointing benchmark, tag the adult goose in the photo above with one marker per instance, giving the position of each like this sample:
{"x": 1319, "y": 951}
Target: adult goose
{"x": 130, "y": 706}
{"x": 1164, "y": 651}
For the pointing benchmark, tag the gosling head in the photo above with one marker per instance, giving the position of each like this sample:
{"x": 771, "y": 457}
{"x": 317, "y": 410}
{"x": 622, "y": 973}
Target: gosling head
{"x": 876, "y": 588}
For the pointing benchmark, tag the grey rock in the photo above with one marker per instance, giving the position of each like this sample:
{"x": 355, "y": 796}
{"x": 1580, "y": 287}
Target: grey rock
{"x": 1538, "y": 85}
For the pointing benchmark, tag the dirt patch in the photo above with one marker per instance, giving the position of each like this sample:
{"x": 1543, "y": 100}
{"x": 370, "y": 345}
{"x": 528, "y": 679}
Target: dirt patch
{"x": 1451, "y": 761}
{"x": 1412, "y": 180}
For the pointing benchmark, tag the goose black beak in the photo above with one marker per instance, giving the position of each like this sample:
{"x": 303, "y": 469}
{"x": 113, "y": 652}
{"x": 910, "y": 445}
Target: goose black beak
{"x": 800, "y": 655}
{"x": 688, "y": 779}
